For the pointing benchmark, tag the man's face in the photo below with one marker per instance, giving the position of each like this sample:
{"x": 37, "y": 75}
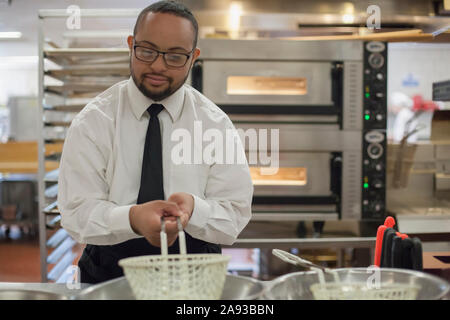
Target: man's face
{"x": 168, "y": 33}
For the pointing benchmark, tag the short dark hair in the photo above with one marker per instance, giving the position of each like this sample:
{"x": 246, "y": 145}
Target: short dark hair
{"x": 176, "y": 8}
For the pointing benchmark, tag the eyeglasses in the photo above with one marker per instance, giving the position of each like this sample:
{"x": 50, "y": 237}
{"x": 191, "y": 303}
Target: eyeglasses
{"x": 176, "y": 60}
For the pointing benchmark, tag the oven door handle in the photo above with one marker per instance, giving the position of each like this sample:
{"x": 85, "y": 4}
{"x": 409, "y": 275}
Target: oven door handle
{"x": 337, "y": 84}
{"x": 336, "y": 175}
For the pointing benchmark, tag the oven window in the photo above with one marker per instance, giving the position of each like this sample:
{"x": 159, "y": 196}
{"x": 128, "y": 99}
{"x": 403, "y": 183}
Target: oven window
{"x": 284, "y": 177}
{"x": 255, "y": 85}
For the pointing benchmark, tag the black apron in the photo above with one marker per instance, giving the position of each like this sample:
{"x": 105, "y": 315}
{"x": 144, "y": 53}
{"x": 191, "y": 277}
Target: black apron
{"x": 100, "y": 263}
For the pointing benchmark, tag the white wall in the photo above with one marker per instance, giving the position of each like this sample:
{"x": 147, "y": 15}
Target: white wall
{"x": 18, "y": 77}
{"x": 424, "y": 63}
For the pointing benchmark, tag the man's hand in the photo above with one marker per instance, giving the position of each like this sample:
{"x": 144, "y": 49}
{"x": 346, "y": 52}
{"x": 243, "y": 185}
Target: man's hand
{"x": 145, "y": 220}
{"x": 185, "y": 202}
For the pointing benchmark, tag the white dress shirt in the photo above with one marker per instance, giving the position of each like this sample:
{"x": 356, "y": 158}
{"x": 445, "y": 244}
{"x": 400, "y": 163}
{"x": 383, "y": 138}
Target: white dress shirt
{"x": 100, "y": 168}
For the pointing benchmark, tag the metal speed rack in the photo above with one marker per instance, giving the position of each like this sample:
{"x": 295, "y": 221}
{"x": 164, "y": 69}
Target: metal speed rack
{"x": 76, "y": 63}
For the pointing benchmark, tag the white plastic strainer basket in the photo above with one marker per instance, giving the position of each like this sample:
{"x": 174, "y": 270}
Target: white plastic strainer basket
{"x": 176, "y": 276}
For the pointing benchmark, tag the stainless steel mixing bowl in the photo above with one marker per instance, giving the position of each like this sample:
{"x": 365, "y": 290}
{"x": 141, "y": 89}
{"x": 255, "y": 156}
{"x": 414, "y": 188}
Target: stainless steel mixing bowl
{"x": 296, "y": 286}
{"x": 235, "y": 288}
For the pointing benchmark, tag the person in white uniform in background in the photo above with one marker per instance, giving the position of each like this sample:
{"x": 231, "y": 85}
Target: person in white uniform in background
{"x": 404, "y": 122}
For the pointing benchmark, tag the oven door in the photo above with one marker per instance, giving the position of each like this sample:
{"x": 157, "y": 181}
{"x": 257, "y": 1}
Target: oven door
{"x": 304, "y": 186}
{"x": 272, "y": 87}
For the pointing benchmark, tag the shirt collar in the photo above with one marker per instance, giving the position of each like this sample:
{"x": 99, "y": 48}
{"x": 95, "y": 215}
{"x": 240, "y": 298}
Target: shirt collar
{"x": 139, "y": 102}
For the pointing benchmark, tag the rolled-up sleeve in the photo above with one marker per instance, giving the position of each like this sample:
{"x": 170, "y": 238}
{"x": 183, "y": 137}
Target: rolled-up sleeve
{"x": 86, "y": 213}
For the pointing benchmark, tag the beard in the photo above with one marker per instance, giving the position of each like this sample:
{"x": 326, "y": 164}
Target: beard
{"x": 157, "y": 94}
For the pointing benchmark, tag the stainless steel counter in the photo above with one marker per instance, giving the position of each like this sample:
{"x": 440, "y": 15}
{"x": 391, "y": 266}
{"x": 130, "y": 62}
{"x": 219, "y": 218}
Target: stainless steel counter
{"x": 313, "y": 243}
{"x": 38, "y": 291}
{"x": 235, "y": 288}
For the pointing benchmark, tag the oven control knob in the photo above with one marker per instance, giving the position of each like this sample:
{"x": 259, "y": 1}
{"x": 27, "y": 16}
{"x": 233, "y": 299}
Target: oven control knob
{"x": 375, "y": 150}
{"x": 376, "y": 60}
{"x": 380, "y": 76}
{"x": 377, "y": 184}
{"x": 377, "y": 166}
{"x": 376, "y": 206}
{"x": 379, "y": 95}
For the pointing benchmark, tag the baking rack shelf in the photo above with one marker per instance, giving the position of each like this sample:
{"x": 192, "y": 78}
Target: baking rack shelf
{"x": 72, "y": 71}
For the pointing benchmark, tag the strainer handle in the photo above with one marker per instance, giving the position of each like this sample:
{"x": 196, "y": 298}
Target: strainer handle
{"x": 163, "y": 237}
{"x": 181, "y": 237}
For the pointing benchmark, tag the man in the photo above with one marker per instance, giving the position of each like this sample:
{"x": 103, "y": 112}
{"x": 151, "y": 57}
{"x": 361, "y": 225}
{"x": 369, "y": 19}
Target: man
{"x": 117, "y": 177}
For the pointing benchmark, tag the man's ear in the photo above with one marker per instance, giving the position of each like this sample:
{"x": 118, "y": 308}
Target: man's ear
{"x": 130, "y": 42}
{"x": 195, "y": 54}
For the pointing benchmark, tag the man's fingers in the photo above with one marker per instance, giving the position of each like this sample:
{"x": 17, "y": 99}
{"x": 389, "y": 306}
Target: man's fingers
{"x": 171, "y": 209}
{"x": 171, "y": 226}
{"x": 175, "y": 198}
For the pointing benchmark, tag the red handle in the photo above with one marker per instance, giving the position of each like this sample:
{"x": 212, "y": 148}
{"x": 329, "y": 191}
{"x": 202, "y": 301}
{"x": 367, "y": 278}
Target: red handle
{"x": 389, "y": 222}
{"x": 379, "y": 244}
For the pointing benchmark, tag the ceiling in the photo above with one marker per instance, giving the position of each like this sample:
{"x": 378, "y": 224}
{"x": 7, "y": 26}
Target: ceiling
{"x": 266, "y": 17}
{"x": 22, "y": 15}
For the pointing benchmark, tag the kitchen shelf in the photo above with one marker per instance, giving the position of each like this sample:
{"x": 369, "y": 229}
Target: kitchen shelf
{"x": 72, "y": 71}
{"x": 53, "y": 224}
{"x": 76, "y": 89}
{"x": 56, "y": 239}
{"x": 73, "y": 56}
{"x": 64, "y": 108}
{"x": 52, "y": 191}
{"x": 89, "y": 71}
{"x": 51, "y": 176}
{"x": 52, "y": 209}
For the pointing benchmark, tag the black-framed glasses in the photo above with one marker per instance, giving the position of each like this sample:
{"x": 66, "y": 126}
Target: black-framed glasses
{"x": 172, "y": 59}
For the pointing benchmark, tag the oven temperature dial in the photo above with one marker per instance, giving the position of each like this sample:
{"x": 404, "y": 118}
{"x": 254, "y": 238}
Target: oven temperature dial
{"x": 375, "y": 150}
{"x": 376, "y": 60}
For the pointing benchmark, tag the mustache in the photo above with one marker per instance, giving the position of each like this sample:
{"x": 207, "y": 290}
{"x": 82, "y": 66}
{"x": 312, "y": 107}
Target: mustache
{"x": 148, "y": 74}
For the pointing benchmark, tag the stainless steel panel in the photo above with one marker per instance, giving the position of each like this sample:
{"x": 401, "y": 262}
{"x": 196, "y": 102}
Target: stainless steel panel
{"x": 416, "y": 223}
{"x": 442, "y": 182}
{"x": 442, "y": 152}
{"x": 302, "y": 216}
{"x": 317, "y": 75}
{"x": 326, "y": 209}
{"x": 273, "y": 49}
{"x": 351, "y": 185}
{"x": 307, "y": 243}
{"x": 353, "y": 103}
{"x": 282, "y": 119}
{"x": 305, "y": 137}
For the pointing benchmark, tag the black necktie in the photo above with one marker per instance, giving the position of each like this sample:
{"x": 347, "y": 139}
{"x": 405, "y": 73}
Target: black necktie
{"x": 152, "y": 175}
